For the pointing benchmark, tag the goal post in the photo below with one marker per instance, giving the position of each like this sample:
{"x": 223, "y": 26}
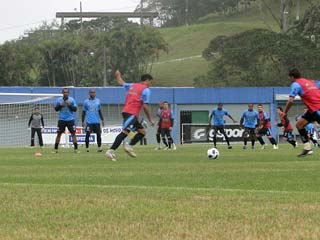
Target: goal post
{"x": 15, "y": 112}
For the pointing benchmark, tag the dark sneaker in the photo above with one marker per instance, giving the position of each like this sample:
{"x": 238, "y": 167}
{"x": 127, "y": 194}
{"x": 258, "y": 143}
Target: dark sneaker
{"x": 100, "y": 150}
{"x": 229, "y": 147}
{"x": 305, "y": 153}
{"x": 244, "y": 147}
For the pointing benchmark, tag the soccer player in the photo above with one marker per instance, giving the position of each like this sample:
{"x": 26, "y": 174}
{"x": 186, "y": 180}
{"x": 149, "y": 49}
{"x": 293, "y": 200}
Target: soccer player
{"x": 66, "y": 106}
{"x": 36, "y": 122}
{"x": 264, "y": 129}
{"x": 249, "y": 119}
{"x": 137, "y": 98}
{"x": 167, "y": 121}
{"x": 91, "y": 116}
{"x": 287, "y": 127}
{"x": 158, "y": 134}
{"x": 310, "y": 130}
{"x": 309, "y": 92}
{"x": 218, "y": 123}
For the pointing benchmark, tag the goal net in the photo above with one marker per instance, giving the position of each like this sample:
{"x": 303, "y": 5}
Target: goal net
{"x": 15, "y": 112}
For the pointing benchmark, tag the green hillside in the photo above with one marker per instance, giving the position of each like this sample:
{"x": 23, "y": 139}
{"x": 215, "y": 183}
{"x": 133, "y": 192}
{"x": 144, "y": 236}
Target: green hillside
{"x": 183, "y": 62}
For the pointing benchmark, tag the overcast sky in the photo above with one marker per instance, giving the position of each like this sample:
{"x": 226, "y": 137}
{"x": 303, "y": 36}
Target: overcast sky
{"x": 18, "y": 16}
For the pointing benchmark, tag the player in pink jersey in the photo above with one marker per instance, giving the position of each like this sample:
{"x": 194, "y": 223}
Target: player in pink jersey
{"x": 309, "y": 92}
{"x": 137, "y": 98}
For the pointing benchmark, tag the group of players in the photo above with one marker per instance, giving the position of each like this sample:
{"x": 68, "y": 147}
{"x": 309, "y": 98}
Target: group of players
{"x": 256, "y": 123}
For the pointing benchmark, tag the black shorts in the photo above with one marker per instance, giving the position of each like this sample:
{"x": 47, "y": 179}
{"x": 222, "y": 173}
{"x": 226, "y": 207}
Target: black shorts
{"x": 130, "y": 122}
{"x": 62, "y": 125}
{"x": 93, "y": 128}
{"x": 312, "y": 117}
{"x": 264, "y": 132}
{"x": 219, "y": 128}
{"x": 288, "y": 135}
{"x": 165, "y": 132}
{"x": 249, "y": 132}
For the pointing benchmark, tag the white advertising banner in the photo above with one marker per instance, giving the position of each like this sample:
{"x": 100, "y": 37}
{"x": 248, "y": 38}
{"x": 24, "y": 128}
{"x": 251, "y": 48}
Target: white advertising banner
{"x": 108, "y": 135}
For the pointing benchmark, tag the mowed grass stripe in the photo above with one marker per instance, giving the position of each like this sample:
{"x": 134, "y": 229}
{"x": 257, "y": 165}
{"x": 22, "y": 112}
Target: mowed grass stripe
{"x": 151, "y": 188}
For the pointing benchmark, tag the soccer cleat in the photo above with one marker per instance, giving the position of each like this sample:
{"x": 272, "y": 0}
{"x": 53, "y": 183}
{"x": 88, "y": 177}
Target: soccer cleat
{"x": 244, "y": 147}
{"x": 54, "y": 151}
{"x": 100, "y": 150}
{"x": 229, "y": 147}
{"x": 111, "y": 155}
{"x": 252, "y": 147}
{"x": 305, "y": 153}
{"x": 158, "y": 148}
{"x": 129, "y": 150}
{"x": 87, "y": 150}
{"x": 76, "y": 151}
{"x": 263, "y": 147}
{"x": 166, "y": 148}
{"x": 174, "y": 146}
{"x": 275, "y": 147}
{"x": 295, "y": 144}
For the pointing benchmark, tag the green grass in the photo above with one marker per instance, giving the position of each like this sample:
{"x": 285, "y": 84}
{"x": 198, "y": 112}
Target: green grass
{"x": 250, "y": 194}
{"x": 190, "y": 41}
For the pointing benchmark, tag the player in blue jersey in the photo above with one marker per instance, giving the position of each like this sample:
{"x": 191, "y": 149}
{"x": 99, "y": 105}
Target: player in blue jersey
{"x": 66, "y": 106}
{"x": 250, "y": 120}
{"x": 217, "y": 114}
{"x": 91, "y": 116}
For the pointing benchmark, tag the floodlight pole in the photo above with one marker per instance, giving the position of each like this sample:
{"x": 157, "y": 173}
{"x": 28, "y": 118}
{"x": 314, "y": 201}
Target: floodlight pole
{"x": 81, "y": 16}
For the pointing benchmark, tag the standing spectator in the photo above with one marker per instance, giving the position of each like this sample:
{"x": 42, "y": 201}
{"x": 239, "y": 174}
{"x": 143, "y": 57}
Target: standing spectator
{"x": 217, "y": 114}
{"x": 91, "y": 116}
{"x": 36, "y": 123}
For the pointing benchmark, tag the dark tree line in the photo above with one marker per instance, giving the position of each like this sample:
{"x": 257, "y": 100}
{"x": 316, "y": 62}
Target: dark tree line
{"x": 62, "y": 56}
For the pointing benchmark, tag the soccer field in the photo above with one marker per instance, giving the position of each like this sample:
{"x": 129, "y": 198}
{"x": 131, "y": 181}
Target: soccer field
{"x": 244, "y": 194}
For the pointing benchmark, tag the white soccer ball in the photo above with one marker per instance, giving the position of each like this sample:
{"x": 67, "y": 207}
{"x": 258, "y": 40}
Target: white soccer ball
{"x": 213, "y": 153}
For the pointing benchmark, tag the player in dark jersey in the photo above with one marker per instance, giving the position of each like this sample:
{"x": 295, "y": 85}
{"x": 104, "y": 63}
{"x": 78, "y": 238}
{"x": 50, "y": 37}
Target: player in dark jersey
{"x": 36, "y": 123}
{"x": 91, "y": 116}
{"x": 264, "y": 129}
{"x": 158, "y": 134}
{"x": 287, "y": 127}
{"x": 309, "y": 92}
{"x": 66, "y": 106}
{"x": 217, "y": 118}
{"x": 167, "y": 121}
{"x": 137, "y": 98}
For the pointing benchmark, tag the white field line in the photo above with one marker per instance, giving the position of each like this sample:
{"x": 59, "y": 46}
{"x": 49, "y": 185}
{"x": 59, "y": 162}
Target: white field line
{"x": 176, "y": 60}
{"x": 157, "y": 188}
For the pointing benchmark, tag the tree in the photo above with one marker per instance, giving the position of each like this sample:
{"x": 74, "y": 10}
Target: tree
{"x": 258, "y": 58}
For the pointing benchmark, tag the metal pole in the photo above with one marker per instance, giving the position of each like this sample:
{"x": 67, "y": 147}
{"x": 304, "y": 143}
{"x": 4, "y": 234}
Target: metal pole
{"x": 104, "y": 66}
{"x": 141, "y": 7}
{"x": 81, "y": 16}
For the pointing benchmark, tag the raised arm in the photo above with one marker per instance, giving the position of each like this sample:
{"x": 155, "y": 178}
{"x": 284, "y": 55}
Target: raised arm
{"x": 118, "y": 76}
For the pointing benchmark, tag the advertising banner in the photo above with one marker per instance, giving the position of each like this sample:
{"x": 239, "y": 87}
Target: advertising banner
{"x": 108, "y": 135}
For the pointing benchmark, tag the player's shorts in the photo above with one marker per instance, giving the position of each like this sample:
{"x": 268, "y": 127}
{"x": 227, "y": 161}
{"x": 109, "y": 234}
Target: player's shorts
{"x": 312, "y": 117}
{"x": 249, "y": 132}
{"x": 219, "y": 128}
{"x": 165, "y": 132}
{"x": 62, "y": 125}
{"x": 93, "y": 128}
{"x": 130, "y": 122}
{"x": 288, "y": 134}
{"x": 264, "y": 132}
